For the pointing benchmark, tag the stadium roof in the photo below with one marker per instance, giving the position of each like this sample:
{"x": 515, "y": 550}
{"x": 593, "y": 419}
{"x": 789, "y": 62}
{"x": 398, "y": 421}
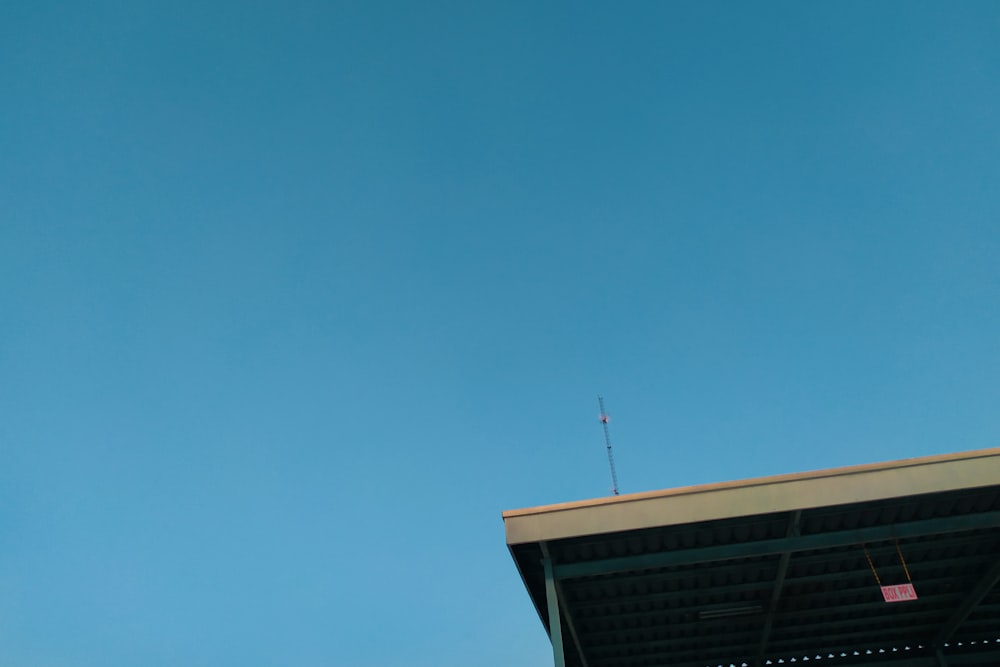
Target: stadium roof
{"x": 776, "y": 570}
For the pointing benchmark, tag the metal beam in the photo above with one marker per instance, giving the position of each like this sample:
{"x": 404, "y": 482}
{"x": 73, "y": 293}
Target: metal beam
{"x": 766, "y": 569}
{"x": 872, "y": 602}
{"x": 776, "y": 546}
{"x": 705, "y": 649}
{"x": 561, "y": 597}
{"x": 779, "y": 582}
{"x": 915, "y": 657}
{"x": 746, "y": 637}
{"x": 849, "y": 640}
{"x": 893, "y": 650}
{"x": 686, "y": 615}
{"x": 976, "y": 595}
{"x": 675, "y": 632}
{"x": 857, "y": 576}
{"x": 761, "y": 574}
{"x": 555, "y": 624}
{"x": 902, "y": 661}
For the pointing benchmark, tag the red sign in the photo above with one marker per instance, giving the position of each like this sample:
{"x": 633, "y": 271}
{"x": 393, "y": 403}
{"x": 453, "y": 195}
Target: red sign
{"x": 899, "y": 593}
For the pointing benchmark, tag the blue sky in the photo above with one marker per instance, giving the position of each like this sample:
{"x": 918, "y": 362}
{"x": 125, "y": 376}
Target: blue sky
{"x": 295, "y": 298}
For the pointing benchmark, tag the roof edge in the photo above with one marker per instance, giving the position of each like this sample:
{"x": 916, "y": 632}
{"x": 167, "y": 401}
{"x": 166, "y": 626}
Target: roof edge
{"x": 755, "y": 481}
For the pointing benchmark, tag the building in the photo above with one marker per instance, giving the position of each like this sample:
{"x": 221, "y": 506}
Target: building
{"x": 888, "y": 565}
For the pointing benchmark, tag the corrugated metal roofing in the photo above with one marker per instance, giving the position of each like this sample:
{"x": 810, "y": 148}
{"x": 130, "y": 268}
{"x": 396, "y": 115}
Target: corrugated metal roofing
{"x": 786, "y": 586}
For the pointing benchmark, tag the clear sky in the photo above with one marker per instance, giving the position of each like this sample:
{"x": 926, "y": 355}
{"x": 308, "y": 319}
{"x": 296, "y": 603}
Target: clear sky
{"x": 296, "y": 297}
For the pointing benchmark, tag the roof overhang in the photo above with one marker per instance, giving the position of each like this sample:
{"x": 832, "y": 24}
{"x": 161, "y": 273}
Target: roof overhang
{"x": 776, "y": 568}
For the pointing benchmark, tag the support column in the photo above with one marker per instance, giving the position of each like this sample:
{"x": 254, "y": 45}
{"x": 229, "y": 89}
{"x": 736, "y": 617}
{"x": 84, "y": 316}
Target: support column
{"x": 555, "y": 623}
{"x": 940, "y": 657}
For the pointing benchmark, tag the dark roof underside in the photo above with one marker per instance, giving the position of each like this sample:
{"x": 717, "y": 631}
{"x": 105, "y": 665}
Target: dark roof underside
{"x": 784, "y": 588}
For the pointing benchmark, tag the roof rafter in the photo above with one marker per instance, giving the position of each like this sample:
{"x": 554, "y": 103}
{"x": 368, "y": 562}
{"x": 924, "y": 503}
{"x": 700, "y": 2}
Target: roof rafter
{"x": 841, "y": 538}
{"x": 779, "y": 583}
{"x": 975, "y": 596}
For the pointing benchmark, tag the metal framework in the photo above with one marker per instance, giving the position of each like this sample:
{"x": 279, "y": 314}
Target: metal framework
{"x": 775, "y": 570}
